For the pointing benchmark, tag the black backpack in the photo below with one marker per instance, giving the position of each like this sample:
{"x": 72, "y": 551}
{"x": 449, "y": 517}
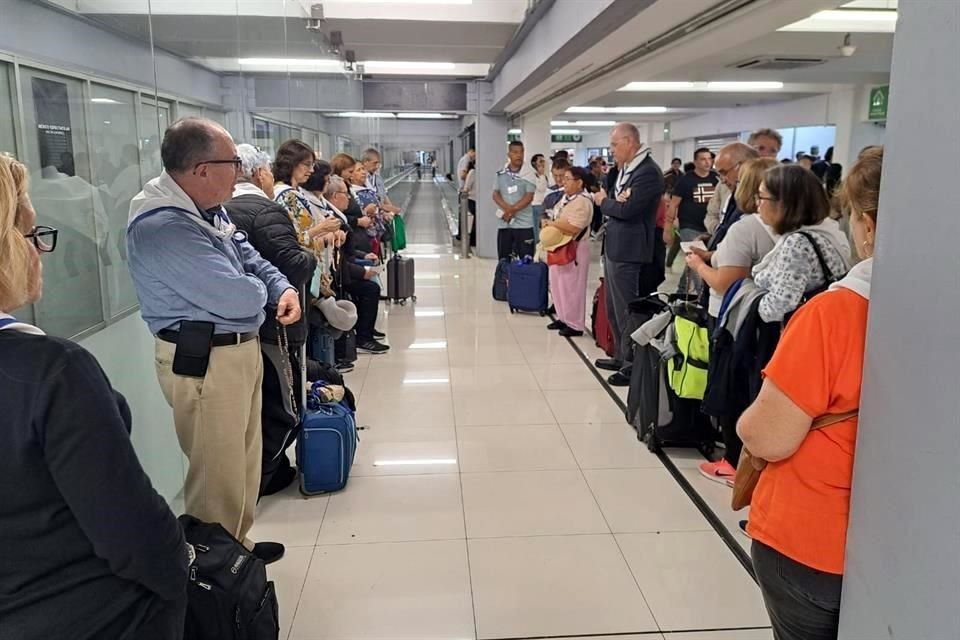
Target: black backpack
{"x": 229, "y": 596}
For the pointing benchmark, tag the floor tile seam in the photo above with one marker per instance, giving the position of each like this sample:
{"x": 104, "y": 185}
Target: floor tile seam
{"x": 711, "y": 517}
{"x": 370, "y": 543}
{"x": 623, "y": 556}
{"x": 303, "y": 587}
{"x": 620, "y": 634}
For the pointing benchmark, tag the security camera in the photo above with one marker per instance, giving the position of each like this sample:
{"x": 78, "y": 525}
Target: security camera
{"x": 847, "y": 49}
{"x": 316, "y": 19}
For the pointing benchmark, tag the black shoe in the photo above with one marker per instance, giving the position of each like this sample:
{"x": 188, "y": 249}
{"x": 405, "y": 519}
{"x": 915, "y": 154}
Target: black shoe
{"x": 556, "y": 325}
{"x": 567, "y": 332}
{"x": 373, "y": 347}
{"x": 608, "y": 363}
{"x": 552, "y": 309}
{"x": 618, "y": 380}
{"x": 282, "y": 479}
{"x": 344, "y": 367}
{"x": 377, "y": 335}
{"x": 269, "y": 552}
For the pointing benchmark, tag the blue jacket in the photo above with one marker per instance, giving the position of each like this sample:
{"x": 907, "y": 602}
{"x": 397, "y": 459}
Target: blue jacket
{"x": 185, "y": 268}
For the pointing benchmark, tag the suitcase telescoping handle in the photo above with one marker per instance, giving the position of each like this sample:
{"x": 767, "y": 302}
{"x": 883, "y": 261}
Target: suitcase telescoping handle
{"x": 303, "y": 351}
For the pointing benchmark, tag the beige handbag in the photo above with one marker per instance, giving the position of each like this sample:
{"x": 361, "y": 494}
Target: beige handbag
{"x": 750, "y": 467}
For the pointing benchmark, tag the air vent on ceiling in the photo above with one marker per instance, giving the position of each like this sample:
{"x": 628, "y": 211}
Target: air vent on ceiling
{"x": 778, "y": 63}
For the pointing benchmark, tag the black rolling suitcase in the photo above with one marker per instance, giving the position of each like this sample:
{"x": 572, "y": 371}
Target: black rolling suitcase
{"x": 400, "y": 279}
{"x": 661, "y": 418}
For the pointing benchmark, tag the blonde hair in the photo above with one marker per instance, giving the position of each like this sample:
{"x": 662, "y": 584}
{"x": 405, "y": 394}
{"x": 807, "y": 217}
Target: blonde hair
{"x": 859, "y": 194}
{"x": 15, "y": 250}
{"x": 748, "y": 182}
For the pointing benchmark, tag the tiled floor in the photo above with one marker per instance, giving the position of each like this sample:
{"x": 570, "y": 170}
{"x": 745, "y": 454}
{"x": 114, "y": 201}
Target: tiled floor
{"x": 497, "y": 493}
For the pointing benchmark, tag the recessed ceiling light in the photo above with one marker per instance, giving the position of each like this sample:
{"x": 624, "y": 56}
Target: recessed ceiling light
{"x": 847, "y": 21}
{"x": 515, "y": 132}
{"x": 425, "y": 116}
{"x": 703, "y": 86}
{"x": 617, "y": 110}
{"x": 105, "y": 101}
{"x": 583, "y": 123}
{"x": 364, "y": 114}
{"x": 403, "y": 2}
{"x": 371, "y": 65}
{"x": 326, "y": 63}
{"x": 564, "y": 132}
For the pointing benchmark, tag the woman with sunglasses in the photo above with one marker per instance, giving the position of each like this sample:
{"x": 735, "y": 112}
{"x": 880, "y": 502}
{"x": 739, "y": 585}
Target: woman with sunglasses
{"x": 89, "y": 550}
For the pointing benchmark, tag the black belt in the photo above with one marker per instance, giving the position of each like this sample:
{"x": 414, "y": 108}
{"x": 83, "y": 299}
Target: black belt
{"x": 219, "y": 339}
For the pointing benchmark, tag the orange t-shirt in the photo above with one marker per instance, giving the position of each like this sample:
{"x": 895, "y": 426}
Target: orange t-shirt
{"x": 801, "y": 504}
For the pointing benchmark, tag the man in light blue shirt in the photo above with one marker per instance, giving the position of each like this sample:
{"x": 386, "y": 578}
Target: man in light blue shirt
{"x": 513, "y": 194}
{"x": 372, "y": 163}
{"x": 202, "y": 289}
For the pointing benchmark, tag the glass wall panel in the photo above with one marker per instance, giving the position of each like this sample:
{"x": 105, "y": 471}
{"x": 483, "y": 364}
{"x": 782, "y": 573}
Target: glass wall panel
{"x": 116, "y": 175}
{"x": 185, "y": 110}
{"x": 8, "y": 142}
{"x": 57, "y": 155}
{"x": 154, "y": 120}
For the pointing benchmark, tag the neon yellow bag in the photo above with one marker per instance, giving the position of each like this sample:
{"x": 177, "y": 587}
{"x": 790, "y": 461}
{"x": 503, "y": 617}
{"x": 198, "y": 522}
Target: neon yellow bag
{"x": 687, "y": 370}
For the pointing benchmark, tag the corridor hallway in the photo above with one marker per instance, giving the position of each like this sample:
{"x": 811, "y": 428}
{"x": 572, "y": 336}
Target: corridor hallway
{"x": 497, "y": 491}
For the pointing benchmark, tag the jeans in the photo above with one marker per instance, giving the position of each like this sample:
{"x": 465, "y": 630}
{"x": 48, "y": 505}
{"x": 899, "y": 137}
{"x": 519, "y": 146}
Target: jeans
{"x": 803, "y": 603}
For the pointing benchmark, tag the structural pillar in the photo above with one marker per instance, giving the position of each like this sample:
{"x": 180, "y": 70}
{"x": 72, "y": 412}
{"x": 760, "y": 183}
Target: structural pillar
{"x": 902, "y": 579}
{"x": 536, "y": 136}
{"x": 491, "y": 135}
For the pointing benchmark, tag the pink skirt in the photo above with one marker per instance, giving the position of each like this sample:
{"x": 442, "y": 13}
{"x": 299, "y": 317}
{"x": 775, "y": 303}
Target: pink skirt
{"x": 568, "y": 286}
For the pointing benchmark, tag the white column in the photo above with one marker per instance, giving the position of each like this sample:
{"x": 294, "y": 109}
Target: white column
{"x": 491, "y": 156}
{"x": 536, "y": 135}
{"x": 902, "y": 575}
{"x": 841, "y": 112}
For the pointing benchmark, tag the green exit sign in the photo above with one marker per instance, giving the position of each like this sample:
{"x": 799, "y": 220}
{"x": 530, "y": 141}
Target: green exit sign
{"x": 879, "y": 99}
{"x": 566, "y": 137}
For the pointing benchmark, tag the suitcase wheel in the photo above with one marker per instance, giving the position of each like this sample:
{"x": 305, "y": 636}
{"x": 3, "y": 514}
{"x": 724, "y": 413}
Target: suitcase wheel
{"x": 708, "y": 449}
{"x": 512, "y": 310}
{"x": 651, "y": 441}
{"x": 543, "y": 313}
{"x": 414, "y": 298}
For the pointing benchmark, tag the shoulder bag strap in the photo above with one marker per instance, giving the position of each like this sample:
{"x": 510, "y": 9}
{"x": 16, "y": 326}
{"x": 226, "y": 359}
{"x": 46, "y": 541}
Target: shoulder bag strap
{"x": 833, "y": 418}
{"x": 827, "y": 273}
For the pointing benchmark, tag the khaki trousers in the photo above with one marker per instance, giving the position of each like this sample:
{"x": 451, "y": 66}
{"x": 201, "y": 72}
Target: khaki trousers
{"x": 218, "y": 425}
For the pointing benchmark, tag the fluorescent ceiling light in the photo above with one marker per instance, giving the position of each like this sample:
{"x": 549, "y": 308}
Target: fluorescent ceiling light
{"x": 617, "y": 110}
{"x": 309, "y": 63}
{"x": 414, "y": 462}
{"x": 105, "y": 101}
{"x": 402, "y": 2}
{"x": 426, "y": 380}
{"x": 658, "y": 86}
{"x": 564, "y": 132}
{"x": 703, "y": 86}
{"x": 847, "y": 21}
{"x": 364, "y": 114}
{"x": 583, "y": 123}
{"x": 439, "y": 344}
{"x": 744, "y": 86}
{"x": 515, "y": 131}
{"x": 373, "y": 65}
{"x": 425, "y": 116}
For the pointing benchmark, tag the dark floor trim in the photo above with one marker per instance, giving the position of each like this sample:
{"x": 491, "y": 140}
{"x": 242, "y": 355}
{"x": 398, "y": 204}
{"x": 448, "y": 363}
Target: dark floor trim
{"x": 634, "y": 633}
{"x": 681, "y": 480}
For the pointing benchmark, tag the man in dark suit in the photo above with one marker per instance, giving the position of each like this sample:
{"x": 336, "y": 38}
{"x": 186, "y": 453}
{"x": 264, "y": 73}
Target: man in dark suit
{"x": 633, "y": 255}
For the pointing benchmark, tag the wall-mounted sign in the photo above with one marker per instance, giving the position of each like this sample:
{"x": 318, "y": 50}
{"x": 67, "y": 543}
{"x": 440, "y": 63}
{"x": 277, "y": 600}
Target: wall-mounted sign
{"x": 566, "y": 137}
{"x": 879, "y": 99}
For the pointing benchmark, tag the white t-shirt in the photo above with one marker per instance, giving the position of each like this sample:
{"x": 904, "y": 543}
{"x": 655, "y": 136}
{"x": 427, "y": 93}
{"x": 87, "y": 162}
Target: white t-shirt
{"x": 462, "y": 167}
{"x": 746, "y": 243}
{"x": 541, "y": 192}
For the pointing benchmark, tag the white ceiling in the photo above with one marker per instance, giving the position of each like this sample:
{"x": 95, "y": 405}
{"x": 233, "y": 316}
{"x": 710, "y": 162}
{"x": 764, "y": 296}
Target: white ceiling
{"x": 215, "y": 33}
{"x": 713, "y": 54}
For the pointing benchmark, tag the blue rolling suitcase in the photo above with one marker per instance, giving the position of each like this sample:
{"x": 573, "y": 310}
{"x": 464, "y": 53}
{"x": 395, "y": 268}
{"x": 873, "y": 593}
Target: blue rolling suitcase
{"x": 527, "y": 289}
{"x": 326, "y": 448}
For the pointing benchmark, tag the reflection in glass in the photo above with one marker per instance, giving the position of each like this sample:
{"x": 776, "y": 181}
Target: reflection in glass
{"x": 116, "y": 175}
{"x": 58, "y": 158}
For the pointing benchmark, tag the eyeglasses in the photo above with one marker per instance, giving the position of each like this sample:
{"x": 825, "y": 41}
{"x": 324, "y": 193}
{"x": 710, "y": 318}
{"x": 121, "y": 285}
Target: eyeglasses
{"x": 235, "y": 161}
{"x": 724, "y": 172}
{"x": 766, "y": 198}
{"x": 43, "y": 238}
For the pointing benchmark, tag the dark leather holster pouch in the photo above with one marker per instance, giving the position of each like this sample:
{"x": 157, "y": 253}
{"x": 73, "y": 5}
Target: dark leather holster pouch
{"x": 194, "y": 343}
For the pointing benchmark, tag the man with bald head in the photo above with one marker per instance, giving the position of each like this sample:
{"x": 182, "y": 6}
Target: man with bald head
{"x": 727, "y": 166}
{"x": 634, "y": 253}
{"x": 202, "y": 289}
